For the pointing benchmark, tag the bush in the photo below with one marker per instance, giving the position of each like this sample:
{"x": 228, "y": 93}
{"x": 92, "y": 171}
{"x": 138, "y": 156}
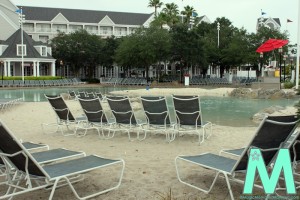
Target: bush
{"x": 288, "y": 85}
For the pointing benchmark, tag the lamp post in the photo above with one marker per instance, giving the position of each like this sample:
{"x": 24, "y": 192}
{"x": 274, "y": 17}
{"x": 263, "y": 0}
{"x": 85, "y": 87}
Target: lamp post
{"x": 292, "y": 68}
{"x": 280, "y": 52}
{"x": 61, "y": 68}
{"x": 261, "y": 56}
{"x": 284, "y": 59}
{"x": 218, "y": 28}
{"x": 21, "y": 21}
{"x": 1, "y": 61}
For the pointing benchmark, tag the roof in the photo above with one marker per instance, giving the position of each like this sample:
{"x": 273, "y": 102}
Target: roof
{"x": 84, "y": 16}
{"x": 277, "y": 20}
{"x": 31, "y": 52}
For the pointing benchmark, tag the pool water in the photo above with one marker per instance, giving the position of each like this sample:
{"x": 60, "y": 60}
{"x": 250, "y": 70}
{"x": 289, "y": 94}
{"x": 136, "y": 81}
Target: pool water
{"x": 37, "y": 94}
{"x": 237, "y": 112}
{"x": 219, "y": 110}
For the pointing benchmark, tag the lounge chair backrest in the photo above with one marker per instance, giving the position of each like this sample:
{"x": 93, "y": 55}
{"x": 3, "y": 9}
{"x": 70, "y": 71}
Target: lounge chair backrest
{"x": 93, "y": 109}
{"x": 122, "y": 110}
{"x": 187, "y": 110}
{"x": 99, "y": 95}
{"x": 82, "y": 94}
{"x": 270, "y": 135}
{"x": 90, "y": 95}
{"x": 60, "y": 107}
{"x": 156, "y": 110}
{"x": 285, "y": 118}
{"x": 72, "y": 94}
{"x": 10, "y": 145}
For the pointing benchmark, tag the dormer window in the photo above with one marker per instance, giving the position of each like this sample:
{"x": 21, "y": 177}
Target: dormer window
{"x": 43, "y": 51}
{"x": 19, "y": 50}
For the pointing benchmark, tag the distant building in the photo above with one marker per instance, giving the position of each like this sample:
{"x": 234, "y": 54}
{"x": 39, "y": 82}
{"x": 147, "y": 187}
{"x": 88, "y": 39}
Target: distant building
{"x": 273, "y": 23}
{"x": 37, "y": 57}
{"x": 42, "y": 24}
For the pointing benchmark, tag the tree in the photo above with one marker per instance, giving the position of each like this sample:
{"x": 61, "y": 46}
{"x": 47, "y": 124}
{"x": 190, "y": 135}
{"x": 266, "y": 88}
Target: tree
{"x": 79, "y": 49}
{"x": 171, "y": 13}
{"x": 187, "y": 48}
{"x": 156, "y": 4}
{"x": 143, "y": 48}
{"x": 188, "y": 13}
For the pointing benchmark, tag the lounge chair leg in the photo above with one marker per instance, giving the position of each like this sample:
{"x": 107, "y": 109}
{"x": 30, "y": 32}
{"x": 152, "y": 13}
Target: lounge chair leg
{"x": 91, "y": 195}
{"x": 193, "y": 186}
{"x": 138, "y": 135}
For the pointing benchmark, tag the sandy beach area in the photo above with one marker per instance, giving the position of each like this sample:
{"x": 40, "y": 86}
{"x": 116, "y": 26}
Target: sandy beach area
{"x": 150, "y": 170}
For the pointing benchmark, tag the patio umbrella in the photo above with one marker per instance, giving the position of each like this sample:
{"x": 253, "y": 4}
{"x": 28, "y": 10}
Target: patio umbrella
{"x": 271, "y": 44}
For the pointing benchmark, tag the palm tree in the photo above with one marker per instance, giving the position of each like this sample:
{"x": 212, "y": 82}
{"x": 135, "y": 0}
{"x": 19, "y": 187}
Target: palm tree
{"x": 160, "y": 20}
{"x": 188, "y": 12}
{"x": 171, "y": 11}
{"x": 156, "y": 4}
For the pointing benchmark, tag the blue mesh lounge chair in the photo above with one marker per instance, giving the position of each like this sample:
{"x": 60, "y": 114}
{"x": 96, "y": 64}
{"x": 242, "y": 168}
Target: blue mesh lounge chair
{"x": 270, "y": 136}
{"x": 96, "y": 118}
{"x": 124, "y": 117}
{"x": 29, "y": 146}
{"x": 291, "y": 119}
{"x": 157, "y": 117}
{"x": 63, "y": 113}
{"x": 189, "y": 116}
{"x": 52, "y": 175}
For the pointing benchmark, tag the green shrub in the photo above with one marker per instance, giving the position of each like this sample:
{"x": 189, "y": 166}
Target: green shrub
{"x": 288, "y": 85}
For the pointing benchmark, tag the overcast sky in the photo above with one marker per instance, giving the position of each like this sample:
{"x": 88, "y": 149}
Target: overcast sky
{"x": 242, "y": 13}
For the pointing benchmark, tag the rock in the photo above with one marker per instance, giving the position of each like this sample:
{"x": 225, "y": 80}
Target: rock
{"x": 262, "y": 93}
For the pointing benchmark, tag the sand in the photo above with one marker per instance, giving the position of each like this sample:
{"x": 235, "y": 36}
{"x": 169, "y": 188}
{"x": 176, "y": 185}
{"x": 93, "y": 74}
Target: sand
{"x": 150, "y": 171}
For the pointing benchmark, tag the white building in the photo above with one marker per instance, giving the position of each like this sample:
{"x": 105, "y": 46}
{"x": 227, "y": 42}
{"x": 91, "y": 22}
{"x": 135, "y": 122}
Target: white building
{"x": 42, "y": 24}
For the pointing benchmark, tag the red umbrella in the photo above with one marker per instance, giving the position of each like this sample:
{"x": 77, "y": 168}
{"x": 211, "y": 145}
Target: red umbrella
{"x": 271, "y": 44}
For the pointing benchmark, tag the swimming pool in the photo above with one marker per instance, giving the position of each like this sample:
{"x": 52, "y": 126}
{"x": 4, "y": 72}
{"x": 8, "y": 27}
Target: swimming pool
{"x": 219, "y": 110}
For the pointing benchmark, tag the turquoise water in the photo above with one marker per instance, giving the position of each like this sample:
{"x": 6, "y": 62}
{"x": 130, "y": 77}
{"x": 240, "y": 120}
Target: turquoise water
{"x": 237, "y": 112}
{"x": 219, "y": 110}
{"x": 37, "y": 94}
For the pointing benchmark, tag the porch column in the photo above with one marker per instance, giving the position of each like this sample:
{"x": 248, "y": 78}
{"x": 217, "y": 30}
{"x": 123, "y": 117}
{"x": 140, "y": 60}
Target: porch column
{"x": 8, "y": 69}
{"x": 34, "y": 69}
{"x": 38, "y": 69}
{"x": 53, "y": 68}
{"x": 5, "y": 69}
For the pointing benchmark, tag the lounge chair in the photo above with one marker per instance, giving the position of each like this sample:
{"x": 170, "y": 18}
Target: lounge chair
{"x": 189, "y": 116}
{"x": 270, "y": 136}
{"x": 96, "y": 118}
{"x": 124, "y": 116}
{"x": 63, "y": 113}
{"x": 99, "y": 95}
{"x": 72, "y": 95}
{"x": 291, "y": 119}
{"x": 157, "y": 117}
{"x": 51, "y": 176}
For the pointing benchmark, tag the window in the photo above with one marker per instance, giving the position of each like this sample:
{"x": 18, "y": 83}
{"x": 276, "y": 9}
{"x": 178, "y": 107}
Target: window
{"x": 73, "y": 28}
{"x": 44, "y": 38}
{"x": 120, "y": 31}
{"x": 28, "y": 27}
{"x": 19, "y": 50}
{"x": 91, "y": 29}
{"x": 105, "y": 30}
{"x": 43, "y": 51}
{"x": 59, "y": 28}
{"x": 43, "y": 27}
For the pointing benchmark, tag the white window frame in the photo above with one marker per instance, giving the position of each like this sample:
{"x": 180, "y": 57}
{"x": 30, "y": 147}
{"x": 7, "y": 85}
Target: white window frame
{"x": 19, "y": 50}
{"x": 43, "y": 53}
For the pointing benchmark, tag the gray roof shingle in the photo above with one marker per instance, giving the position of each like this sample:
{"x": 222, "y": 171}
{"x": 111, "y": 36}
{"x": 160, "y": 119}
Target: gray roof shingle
{"x": 84, "y": 16}
{"x": 31, "y": 52}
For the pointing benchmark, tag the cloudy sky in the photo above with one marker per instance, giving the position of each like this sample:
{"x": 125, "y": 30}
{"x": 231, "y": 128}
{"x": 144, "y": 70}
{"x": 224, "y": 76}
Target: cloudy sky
{"x": 242, "y": 13}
